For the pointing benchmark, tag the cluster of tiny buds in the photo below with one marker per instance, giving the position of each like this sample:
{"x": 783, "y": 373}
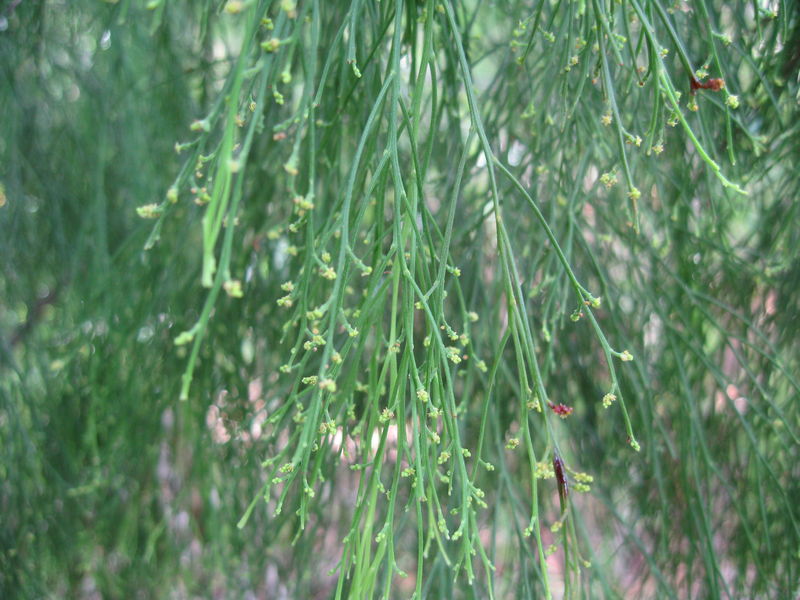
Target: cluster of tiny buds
{"x": 303, "y": 203}
{"x": 544, "y": 470}
{"x": 290, "y": 8}
{"x": 593, "y": 302}
{"x": 327, "y": 385}
{"x": 633, "y": 139}
{"x": 233, "y": 287}
{"x": 328, "y": 273}
{"x": 386, "y": 415}
{"x": 285, "y": 301}
{"x": 572, "y": 62}
{"x": 270, "y": 45}
{"x": 315, "y": 341}
{"x": 328, "y": 427}
{"x": 450, "y": 332}
{"x": 562, "y": 410}
{"x": 149, "y": 211}
{"x": 234, "y": 7}
{"x": 315, "y": 315}
{"x": 453, "y": 354}
{"x": 608, "y": 179}
{"x": 582, "y": 485}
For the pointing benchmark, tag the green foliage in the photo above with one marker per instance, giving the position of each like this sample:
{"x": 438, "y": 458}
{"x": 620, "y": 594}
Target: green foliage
{"x": 399, "y": 299}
